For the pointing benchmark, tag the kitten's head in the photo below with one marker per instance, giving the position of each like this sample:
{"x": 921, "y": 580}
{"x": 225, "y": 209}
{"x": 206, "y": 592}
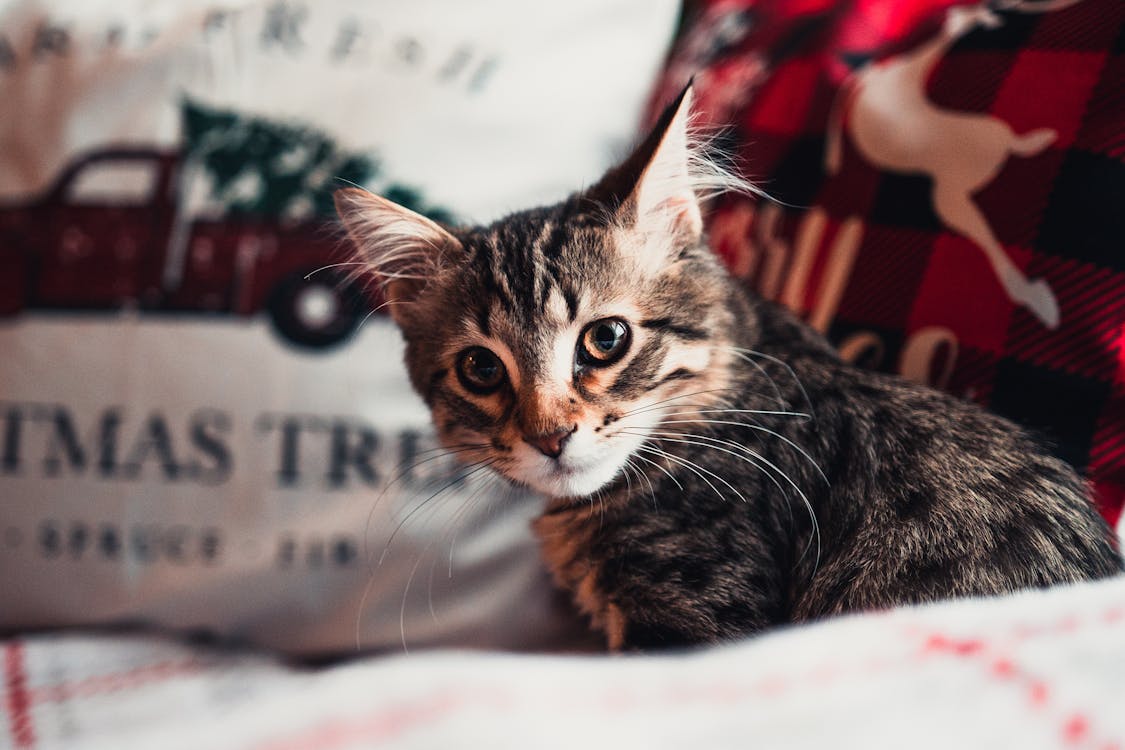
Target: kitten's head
{"x": 551, "y": 342}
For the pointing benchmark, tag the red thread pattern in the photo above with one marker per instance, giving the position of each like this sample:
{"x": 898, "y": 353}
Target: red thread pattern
{"x": 18, "y": 701}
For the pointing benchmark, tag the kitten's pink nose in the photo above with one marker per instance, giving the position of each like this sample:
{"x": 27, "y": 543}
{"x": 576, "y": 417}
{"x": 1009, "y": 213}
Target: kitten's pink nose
{"x": 550, "y": 444}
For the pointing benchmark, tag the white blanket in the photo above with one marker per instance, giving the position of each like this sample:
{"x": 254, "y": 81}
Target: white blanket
{"x": 1040, "y": 669}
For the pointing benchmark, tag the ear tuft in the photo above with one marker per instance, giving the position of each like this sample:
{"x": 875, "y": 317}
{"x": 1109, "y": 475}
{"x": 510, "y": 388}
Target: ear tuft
{"x": 401, "y": 248}
{"x": 659, "y": 188}
{"x": 664, "y": 195}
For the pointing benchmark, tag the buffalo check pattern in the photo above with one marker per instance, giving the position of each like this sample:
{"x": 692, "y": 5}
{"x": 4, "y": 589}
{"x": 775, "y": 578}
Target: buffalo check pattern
{"x": 865, "y": 251}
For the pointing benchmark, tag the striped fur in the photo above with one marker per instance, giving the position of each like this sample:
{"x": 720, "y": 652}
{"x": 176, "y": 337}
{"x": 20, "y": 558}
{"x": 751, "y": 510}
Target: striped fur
{"x": 727, "y": 472}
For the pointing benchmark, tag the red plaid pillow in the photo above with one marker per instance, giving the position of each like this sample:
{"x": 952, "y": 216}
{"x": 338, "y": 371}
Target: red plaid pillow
{"x": 950, "y": 186}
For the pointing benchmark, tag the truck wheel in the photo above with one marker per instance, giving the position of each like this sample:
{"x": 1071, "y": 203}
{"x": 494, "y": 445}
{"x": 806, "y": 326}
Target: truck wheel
{"x": 316, "y": 313}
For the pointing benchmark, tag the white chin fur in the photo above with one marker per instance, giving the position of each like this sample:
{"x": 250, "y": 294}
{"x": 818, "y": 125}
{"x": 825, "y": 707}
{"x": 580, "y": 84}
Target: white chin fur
{"x": 562, "y": 484}
{"x": 587, "y": 464}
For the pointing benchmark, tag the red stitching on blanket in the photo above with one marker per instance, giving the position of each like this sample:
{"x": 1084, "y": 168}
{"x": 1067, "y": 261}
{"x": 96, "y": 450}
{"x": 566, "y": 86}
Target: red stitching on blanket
{"x": 1067, "y": 625}
{"x": 113, "y": 683}
{"x": 388, "y": 724}
{"x": 1075, "y": 728}
{"x": 19, "y": 704}
{"x": 385, "y": 724}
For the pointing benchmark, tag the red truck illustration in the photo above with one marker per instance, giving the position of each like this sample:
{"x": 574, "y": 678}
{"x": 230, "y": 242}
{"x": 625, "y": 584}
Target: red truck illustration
{"x": 132, "y": 247}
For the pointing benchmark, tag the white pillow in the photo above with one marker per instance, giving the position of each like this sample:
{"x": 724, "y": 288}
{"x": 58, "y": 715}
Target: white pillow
{"x": 166, "y": 456}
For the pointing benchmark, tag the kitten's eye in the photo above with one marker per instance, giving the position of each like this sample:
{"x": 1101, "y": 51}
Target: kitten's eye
{"x": 479, "y": 370}
{"x": 603, "y": 342}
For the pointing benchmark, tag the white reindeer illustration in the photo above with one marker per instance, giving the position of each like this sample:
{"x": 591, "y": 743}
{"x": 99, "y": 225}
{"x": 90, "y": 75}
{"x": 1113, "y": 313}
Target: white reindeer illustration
{"x": 896, "y": 128}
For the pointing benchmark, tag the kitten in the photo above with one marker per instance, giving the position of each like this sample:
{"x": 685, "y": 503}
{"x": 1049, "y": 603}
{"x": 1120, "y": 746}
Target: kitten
{"x": 714, "y": 468}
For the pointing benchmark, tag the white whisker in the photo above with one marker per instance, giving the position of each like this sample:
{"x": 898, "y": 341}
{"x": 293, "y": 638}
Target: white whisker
{"x": 646, "y": 407}
{"x": 508, "y": 490}
{"x": 625, "y": 473}
{"x": 748, "y": 459}
{"x": 741, "y": 354}
{"x": 654, "y": 463}
{"x": 694, "y": 468}
{"x": 421, "y": 555}
{"x": 792, "y": 373}
{"x": 441, "y": 452}
{"x": 758, "y": 427}
{"x": 717, "y": 444}
{"x": 452, "y": 524}
{"x": 309, "y": 275}
{"x": 642, "y": 476}
{"x": 764, "y": 412}
{"x": 469, "y": 471}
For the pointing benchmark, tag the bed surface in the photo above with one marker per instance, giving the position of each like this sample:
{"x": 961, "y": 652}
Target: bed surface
{"x": 1038, "y": 669}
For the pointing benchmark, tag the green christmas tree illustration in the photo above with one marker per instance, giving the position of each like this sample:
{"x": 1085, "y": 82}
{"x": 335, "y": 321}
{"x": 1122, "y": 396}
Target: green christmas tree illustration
{"x": 263, "y": 168}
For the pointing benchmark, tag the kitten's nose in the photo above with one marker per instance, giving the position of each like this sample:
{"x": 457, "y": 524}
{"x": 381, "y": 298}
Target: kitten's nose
{"x": 550, "y": 444}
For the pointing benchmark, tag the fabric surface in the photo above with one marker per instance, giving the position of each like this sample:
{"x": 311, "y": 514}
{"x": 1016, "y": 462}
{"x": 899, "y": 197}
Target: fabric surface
{"x": 1036, "y": 670}
{"x": 201, "y": 424}
{"x": 949, "y": 181}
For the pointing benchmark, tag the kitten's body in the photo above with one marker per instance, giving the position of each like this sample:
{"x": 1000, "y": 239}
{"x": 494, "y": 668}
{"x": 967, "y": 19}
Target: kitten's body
{"x": 922, "y": 497}
{"x": 716, "y": 469}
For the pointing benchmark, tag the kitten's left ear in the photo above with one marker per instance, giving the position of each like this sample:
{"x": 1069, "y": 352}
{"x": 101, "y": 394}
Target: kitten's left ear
{"x": 402, "y": 248}
{"x": 653, "y": 188}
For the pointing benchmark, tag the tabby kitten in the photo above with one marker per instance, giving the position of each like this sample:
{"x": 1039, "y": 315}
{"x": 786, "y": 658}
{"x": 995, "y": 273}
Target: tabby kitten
{"x": 714, "y": 467}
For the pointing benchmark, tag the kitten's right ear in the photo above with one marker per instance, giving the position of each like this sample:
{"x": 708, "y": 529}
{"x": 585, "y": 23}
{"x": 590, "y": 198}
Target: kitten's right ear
{"x": 655, "y": 187}
{"x": 402, "y": 248}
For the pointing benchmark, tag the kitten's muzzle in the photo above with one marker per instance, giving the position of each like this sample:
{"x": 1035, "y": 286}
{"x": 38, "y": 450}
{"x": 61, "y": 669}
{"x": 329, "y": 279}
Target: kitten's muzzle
{"x": 550, "y": 444}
